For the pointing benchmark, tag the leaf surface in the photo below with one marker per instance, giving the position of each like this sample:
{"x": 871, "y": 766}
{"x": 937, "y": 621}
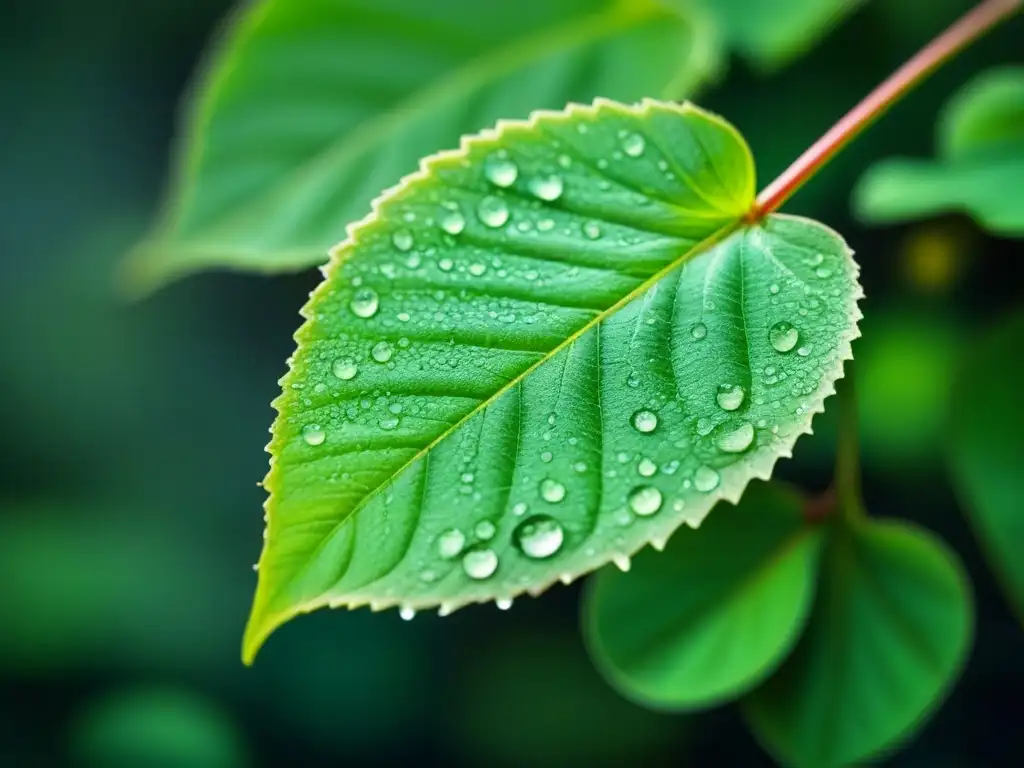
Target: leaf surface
{"x": 889, "y": 632}
{"x": 979, "y": 167}
{"x": 310, "y": 107}
{"x": 985, "y": 447}
{"x": 540, "y": 353}
{"x": 712, "y": 616}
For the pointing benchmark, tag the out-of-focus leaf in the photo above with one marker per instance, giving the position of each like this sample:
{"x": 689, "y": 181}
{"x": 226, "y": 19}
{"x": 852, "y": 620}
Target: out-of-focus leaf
{"x": 715, "y": 613}
{"x": 157, "y": 728}
{"x": 986, "y": 444}
{"x": 979, "y": 167}
{"x": 539, "y": 354}
{"x": 310, "y": 108}
{"x": 888, "y": 634}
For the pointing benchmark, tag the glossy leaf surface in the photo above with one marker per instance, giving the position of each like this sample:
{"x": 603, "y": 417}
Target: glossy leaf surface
{"x": 540, "y": 353}
{"x": 309, "y": 108}
{"x": 985, "y": 449}
{"x": 715, "y": 613}
{"x": 979, "y": 167}
{"x": 888, "y": 634}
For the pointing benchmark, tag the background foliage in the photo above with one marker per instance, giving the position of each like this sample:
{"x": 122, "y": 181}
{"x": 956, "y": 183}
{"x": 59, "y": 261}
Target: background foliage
{"x": 129, "y": 515}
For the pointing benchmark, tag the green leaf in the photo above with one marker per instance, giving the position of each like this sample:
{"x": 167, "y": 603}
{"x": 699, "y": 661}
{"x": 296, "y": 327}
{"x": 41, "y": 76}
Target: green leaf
{"x": 985, "y": 447}
{"x": 979, "y": 168}
{"x": 888, "y": 635}
{"x": 716, "y": 613}
{"x": 538, "y": 354}
{"x": 310, "y": 107}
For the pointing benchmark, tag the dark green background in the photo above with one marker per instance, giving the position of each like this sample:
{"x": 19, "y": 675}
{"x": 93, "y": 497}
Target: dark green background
{"x": 132, "y": 440}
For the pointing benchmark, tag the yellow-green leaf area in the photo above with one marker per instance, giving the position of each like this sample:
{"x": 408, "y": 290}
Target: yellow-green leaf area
{"x": 541, "y": 352}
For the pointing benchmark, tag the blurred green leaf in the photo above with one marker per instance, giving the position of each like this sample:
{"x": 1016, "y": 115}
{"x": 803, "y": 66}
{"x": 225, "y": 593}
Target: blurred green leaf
{"x": 310, "y": 108}
{"x": 544, "y": 296}
{"x": 889, "y": 632}
{"x": 979, "y": 168}
{"x": 156, "y": 728}
{"x": 715, "y": 613}
{"x": 986, "y": 443}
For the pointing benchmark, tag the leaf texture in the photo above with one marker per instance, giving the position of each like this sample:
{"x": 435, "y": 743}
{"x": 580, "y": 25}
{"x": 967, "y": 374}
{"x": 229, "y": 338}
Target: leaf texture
{"x": 541, "y": 352}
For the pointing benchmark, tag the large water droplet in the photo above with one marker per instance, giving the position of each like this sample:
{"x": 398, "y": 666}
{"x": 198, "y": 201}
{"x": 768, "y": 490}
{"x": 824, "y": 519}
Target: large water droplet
{"x": 450, "y": 543}
{"x": 633, "y": 144}
{"x": 547, "y": 188}
{"x": 705, "y": 479}
{"x": 500, "y": 170}
{"x": 402, "y": 239}
{"x": 453, "y": 222}
{"x": 492, "y": 211}
{"x": 480, "y": 564}
{"x": 381, "y": 351}
{"x": 365, "y": 303}
{"x": 538, "y": 537}
{"x": 645, "y": 500}
{"x": 783, "y": 336}
{"x": 344, "y": 368}
{"x": 645, "y": 421}
{"x": 551, "y": 491}
{"x": 736, "y": 439}
{"x": 730, "y": 396}
{"x": 699, "y": 331}
{"x": 313, "y": 434}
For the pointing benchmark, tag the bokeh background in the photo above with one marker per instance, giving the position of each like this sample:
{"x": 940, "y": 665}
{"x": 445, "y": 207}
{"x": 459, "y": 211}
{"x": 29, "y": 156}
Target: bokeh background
{"x": 132, "y": 440}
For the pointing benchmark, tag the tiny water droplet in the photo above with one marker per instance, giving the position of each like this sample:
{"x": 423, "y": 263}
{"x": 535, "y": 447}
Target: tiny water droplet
{"x": 645, "y": 500}
{"x": 551, "y": 491}
{"x": 823, "y": 272}
{"x": 547, "y": 188}
{"x": 730, "y": 396}
{"x": 477, "y": 269}
{"x": 492, "y": 211}
{"x": 547, "y": 456}
{"x": 580, "y": 466}
{"x": 538, "y": 537}
{"x": 699, "y": 331}
{"x": 450, "y": 543}
{"x": 402, "y": 240}
{"x": 484, "y": 530}
{"x": 453, "y": 222}
{"x": 647, "y": 468}
{"x": 804, "y": 351}
{"x": 773, "y": 289}
{"x": 365, "y": 303}
{"x": 592, "y": 230}
{"x": 736, "y": 439}
{"x": 344, "y": 368}
{"x": 480, "y": 564}
{"x": 500, "y": 170}
{"x": 381, "y": 351}
{"x": 633, "y": 144}
{"x": 313, "y": 434}
{"x": 445, "y": 264}
{"x": 783, "y": 336}
{"x": 545, "y": 225}
{"x": 519, "y": 508}
{"x": 645, "y": 421}
{"x": 389, "y": 422}
{"x": 705, "y": 479}
{"x": 503, "y": 603}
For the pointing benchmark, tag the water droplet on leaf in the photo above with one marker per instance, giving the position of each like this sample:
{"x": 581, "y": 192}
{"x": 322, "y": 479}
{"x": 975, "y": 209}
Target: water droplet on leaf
{"x": 645, "y": 500}
{"x": 736, "y": 439}
{"x": 365, "y": 303}
{"x": 538, "y": 537}
{"x": 500, "y": 170}
{"x": 344, "y": 368}
{"x": 480, "y": 564}
{"x": 783, "y": 336}
{"x": 705, "y": 479}
{"x": 492, "y": 211}
{"x": 551, "y": 491}
{"x": 381, "y": 351}
{"x": 313, "y": 434}
{"x": 450, "y": 543}
{"x": 645, "y": 421}
{"x": 730, "y": 396}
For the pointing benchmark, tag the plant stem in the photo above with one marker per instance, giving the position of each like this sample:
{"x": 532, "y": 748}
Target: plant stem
{"x": 847, "y": 477}
{"x": 961, "y": 34}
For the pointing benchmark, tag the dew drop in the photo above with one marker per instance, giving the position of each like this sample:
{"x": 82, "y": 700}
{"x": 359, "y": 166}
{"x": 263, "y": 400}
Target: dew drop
{"x": 381, "y": 351}
{"x": 773, "y": 289}
{"x": 477, "y": 269}
{"x": 538, "y": 537}
{"x": 480, "y": 564}
{"x": 699, "y": 331}
{"x": 503, "y": 603}
{"x": 705, "y": 479}
{"x": 804, "y": 351}
{"x": 547, "y": 456}
{"x": 592, "y": 230}
{"x": 547, "y": 188}
{"x": 633, "y": 144}
{"x": 313, "y": 434}
{"x": 647, "y": 468}
{"x": 344, "y": 368}
{"x": 519, "y": 508}
{"x": 402, "y": 240}
{"x": 737, "y": 439}
{"x": 365, "y": 303}
{"x": 645, "y": 500}
{"x": 551, "y": 491}
{"x": 823, "y": 272}
{"x": 408, "y": 613}
{"x": 645, "y": 421}
{"x": 453, "y": 222}
{"x": 484, "y": 530}
{"x": 500, "y": 170}
{"x": 492, "y": 211}
{"x": 730, "y": 396}
{"x": 388, "y": 423}
{"x": 445, "y": 264}
{"x": 783, "y": 336}
{"x": 450, "y": 543}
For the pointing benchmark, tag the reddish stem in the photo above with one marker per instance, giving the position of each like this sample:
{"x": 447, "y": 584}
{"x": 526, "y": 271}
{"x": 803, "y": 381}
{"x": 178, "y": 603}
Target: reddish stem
{"x": 966, "y": 30}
